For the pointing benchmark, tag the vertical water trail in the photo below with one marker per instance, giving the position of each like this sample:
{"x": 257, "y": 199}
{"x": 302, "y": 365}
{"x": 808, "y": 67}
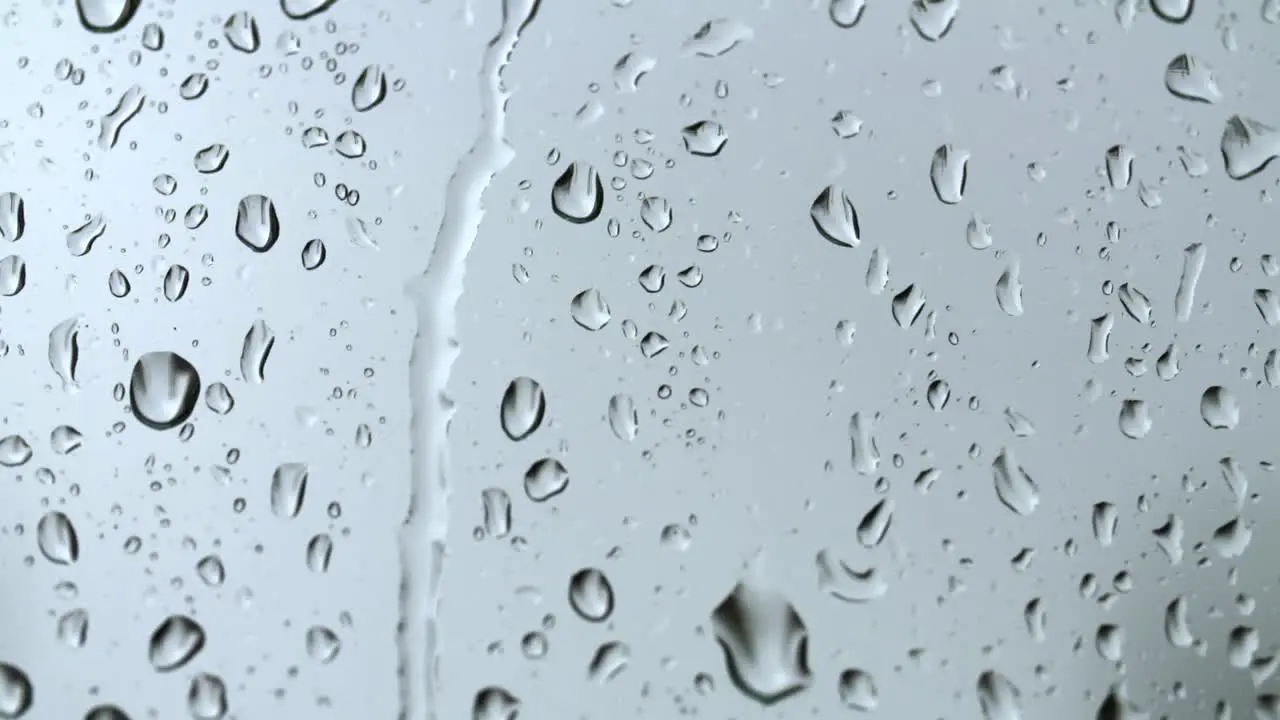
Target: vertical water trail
{"x": 435, "y": 297}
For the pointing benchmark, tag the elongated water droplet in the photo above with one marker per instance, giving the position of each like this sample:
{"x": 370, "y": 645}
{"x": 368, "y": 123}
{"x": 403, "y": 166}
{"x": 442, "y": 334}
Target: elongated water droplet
{"x": 1015, "y": 488}
{"x": 176, "y": 280}
{"x": 875, "y": 524}
{"x": 303, "y": 9}
{"x": 13, "y": 217}
{"x": 907, "y": 306}
{"x": 608, "y": 662}
{"x": 257, "y": 224}
{"x": 717, "y": 37}
{"x": 80, "y": 240}
{"x": 211, "y": 158}
{"x": 624, "y": 418}
{"x": 13, "y": 275}
{"x": 16, "y": 692}
{"x": 949, "y": 174}
{"x": 846, "y": 584}
{"x": 578, "y": 194}
{"x": 174, "y": 642}
{"x": 255, "y": 352}
{"x": 193, "y": 86}
{"x": 288, "y": 489}
{"x": 118, "y": 284}
{"x": 1119, "y": 167}
{"x": 128, "y": 107}
{"x": 72, "y": 630}
{"x": 163, "y": 390}
{"x": 1193, "y": 257}
{"x": 1009, "y": 290}
{"x": 64, "y": 352}
{"x": 314, "y": 254}
{"x": 835, "y": 218}
{"x": 523, "y": 406}
{"x": 370, "y": 88}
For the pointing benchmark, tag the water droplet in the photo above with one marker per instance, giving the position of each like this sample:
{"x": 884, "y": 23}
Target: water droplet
{"x": 1014, "y": 486}
{"x": 80, "y": 240}
{"x": 72, "y": 630}
{"x": 163, "y": 390}
{"x": 241, "y": 31}
{"x": 590, "y": 310}
{"x": 624, "y": 419}
{"x": 118, "y": 284}
{"x": 1248, "y": 146}
{"x": 13, "y": 275}
{"x": 835, "y": 218}
{"x": 1009, "y": 290}
{"x": 350, "y": 144}
{"x": 495, "y": 703}
{"x": 256, "y": 350}
{"x": 106, "y": 16}
{"x": 106, "y": 712}
{"x": 1174, "y": 11}
{"x": 1119, "y": 167}
{"x": 15, "y": 451}
{"x": 1135, "y": 419}
{"x": 1219, "y": 409}
{"x": 64, "y": 352}
{"x": 257, "y": 224}
{"x": 152, "y": 37}
{"x": 128, "y": 107}
{"x": 656, "y": 213}
{"x": 313, "y": 254}
{"x": 765, "y": 644}
{"x": 933, "y": 19}
{"x": 1190, "y": 78}
{"x": 717, "y": 37}
{"x": 64, "y": 439}
{"x": 907, "y": 306}
{"x": 319, "y": 553}
{"x": 176, "y": 280}
{"x": 13, "y": 217}
{"x": 57, "y": 539}
{"x": 207, "y": 697}
{"x": 857, "y": 690}
{"x": 998, "y": 697}
{"x": 211, "y": 571}
{"x": 591, "y": 595}
{"x": 545, "y": 479}
{"x": 193, "y": 86}
{"x": 16, "y": 692}
{"x": 949, "y": 173}
{"x": 875, "y": 524}
{"x": 706, "y": 138}
{"x": 608, "y": 662}
{"x": 496, "y": 504}
{"x": 323, "y": 644}
{"x": 303, "y": 9}
{"x": 578, "y": 194}
{"x": 845, "y": 124}
{"x": 370, "y": 89}
{"x": 523, "y": 406}
{"x": 174, "y": 643}
{"x": 846, "y": 13}
{"x": 288, "y": 489}
{"x": 211, "y": 159}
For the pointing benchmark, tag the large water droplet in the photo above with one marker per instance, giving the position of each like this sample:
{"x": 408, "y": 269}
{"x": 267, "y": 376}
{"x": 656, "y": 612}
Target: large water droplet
{"x": 523, "y": 406}
{"x": 257, "y": 224}
{"x": 15, "y": 451}
{"x": 370, "y": 89}
{"x": 1248, "y": 146}
{"x": 857, "y": 690}
{"x": 846, "y": 13}
{"x": 106, "y": 16}
{"x": 288, "y": 489}
{"x": 590, "y": 310}
{"x": 174, "y": 643}
{"x": 1135, "y": 419}
{"x": 303, "y": 9}
{"x": 949, "y": 174}
{"x": 998, "y": 697}
{"x": 624, "y": 418}
{"x": 545, "y": 479}
{"x": 578, "y": 194}
{"x": 835, "y": 218}
{"x": 16, "y": 692}
{"x": 207, "y": 697}
{"x": 765, "y": 643}
{"x": 1190, "y": 78}
{"x": 706, "y": 138}
{"x": 241, "y": 31}
{"x": 608, "y": 662}
{"x": 591, "y": 595}
{"x": 1174, "y": 11}
{"x": 933, "y": 19}
{"x": 495, "y": 703}
{"x": 57, "y": 539}
{"x": 13, "y": 217}
{"x": 1014, "y": 486}
{"x": 256, "y": 350}
{"x": 163, "y": 390}
{"x": 1219, "y": 409}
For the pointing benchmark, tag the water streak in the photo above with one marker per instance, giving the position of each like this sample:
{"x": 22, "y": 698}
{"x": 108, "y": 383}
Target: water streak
{"x": 435, "y": 297}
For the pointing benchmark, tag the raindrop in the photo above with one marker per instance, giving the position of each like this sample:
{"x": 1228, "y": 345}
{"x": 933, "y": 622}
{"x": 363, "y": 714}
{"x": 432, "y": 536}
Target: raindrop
{"x": 303, "y": 9}
{"x": 13, "y": 275}
{"x": 64, "y": 439}
{"x": 835, "y": 218}
{"x": 57, "y": 539}
{"x": 949, "y": 173}
{"x": 998, "y": 697}
{"x": 846, "y": 13}
{"x": 163, "y": 390}
{"x": 656, "y": 213}
{"x": 1189, "y": 78}
{"x": 174, "y": 643}
{"x": 207, "y": 697}
{"x": 118, "y": 284}
{"x": 257, "y": 224}
{"x": 72, "y": 630}
{"x": 857, "y": 690}
{"x": 523, "y": 406}
{"x": 1219, "y": 409}
{"x": 106, "y": 16}
{"x": 590, "y": 310}
{"x": 1174, "y": 11}
{"x": 194, "y": 86}
{"x": 933, "y": 19}
{"x": 314, "y": 137}
{"x": 1014, "y": 486}
{"x": 495, "y": 703}
{"x": 706, "y": 138}
{"x": 288, "y": 489}
{"x": 319, "y": 553}
{"x": 717, "y": 37}
{"x": 313, "y": 254}
{"x": 13, "y": 217}
{"x": 15, "y": 451}
{"x": 175, "y": 283}
{"x": 907, "y": 306}
{"x": 1135, "y": 419}
{"x": 1248, "y": 146}
{"x": 323, "y": 644}
{"x": 211, "y": 159}
{"x": 128, "y": 107}
{"x": 80, "y": 240}
{"x": 1119, "y": 167}
{"x": 545, "y": 479}
{"x": 591, "y": 595}
{"x": 350, "y": 144}
{"x": 578, "y": 194}
{"x": 258, "y": 343}
{"x": 624, "y": 419}
{"x": 241, "y": 31}
{"x": 608, "y": 662}
{"x": 370, "y": 89}
{"x": 16, "y": 692}
{"x": 765, "y": 644}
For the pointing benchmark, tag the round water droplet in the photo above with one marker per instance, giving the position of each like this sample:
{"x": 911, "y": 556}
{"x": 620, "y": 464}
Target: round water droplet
{"x": 257, "y": 224}
{"x": 15, "y": 451}
{"x": 314, "y": 254}
{"x": 590, "y": 310}
{"x": 1219, "y": 409}
{"x": 591, "y": 595}
{"x": 323, "y": 644}
{"x": 857, "y": 690}
{"x": 16, "y": 692}
{"x": 163, "y": 390}
{"x": 219, "y": 399}
{"x": 578, "y": 194}
{"x": 369, "y": 90}
{"x": 846, "y": 13}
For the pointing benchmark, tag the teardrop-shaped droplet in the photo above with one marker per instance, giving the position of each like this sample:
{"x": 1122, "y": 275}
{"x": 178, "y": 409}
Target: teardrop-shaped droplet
{"x": 1248, "y": 146}
{"x": 174, "y": 643}
{"x": 16, "y": 692}
{"x": 591, "y": 595}
{"x": 106, "y": 16}
{"x": 590, "y": 310}
{"x": 350, "y": 144}
{"x": 545, "y": 479}
{"x": 64, "y": 352}
{"x": 835, "y": 218}
{"x": 288, "y": 489}
{"x": 193, "y": 86}
{"x": 13, "y": 217}
{"x": 846, "y": 13}
{"x": 1015, "y": 488}
{"x": 257, "y": 224}
{"x": 933, "y": 19}
{"x": 255, "y": 352}
{"x": 219, "y": 399}
{"x": 370, "y": 89}
{"x": 241, "y": 31}
{"x": 578, "y": 194}
{"x": 656, "y": 213}
{"x": 998, "y": 697}
{"x": 765, "y": 644}
{"x": 118, "y": 284}
{"x": 314, "y": 254}
{"x": 1190, "y": 78}
{"x": 80, "y": 240}
{"x": 1174, "y": 11}
{"x": 65, "y": 439}
{"x": 72, "y": 630}
{"x": 949, "y": 174}
{"x": 57, "y": 539}
{"x": 176, "y": 280}
{"x": 1135, "y": 419}
{"x": 163, "y": 390}
{"x": 523, "y": 406}
{"x": 1119, "y": 167}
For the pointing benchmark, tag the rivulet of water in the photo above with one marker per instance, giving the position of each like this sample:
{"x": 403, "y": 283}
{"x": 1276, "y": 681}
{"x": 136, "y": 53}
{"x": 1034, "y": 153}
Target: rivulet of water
{"x": 435, "y": 297}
